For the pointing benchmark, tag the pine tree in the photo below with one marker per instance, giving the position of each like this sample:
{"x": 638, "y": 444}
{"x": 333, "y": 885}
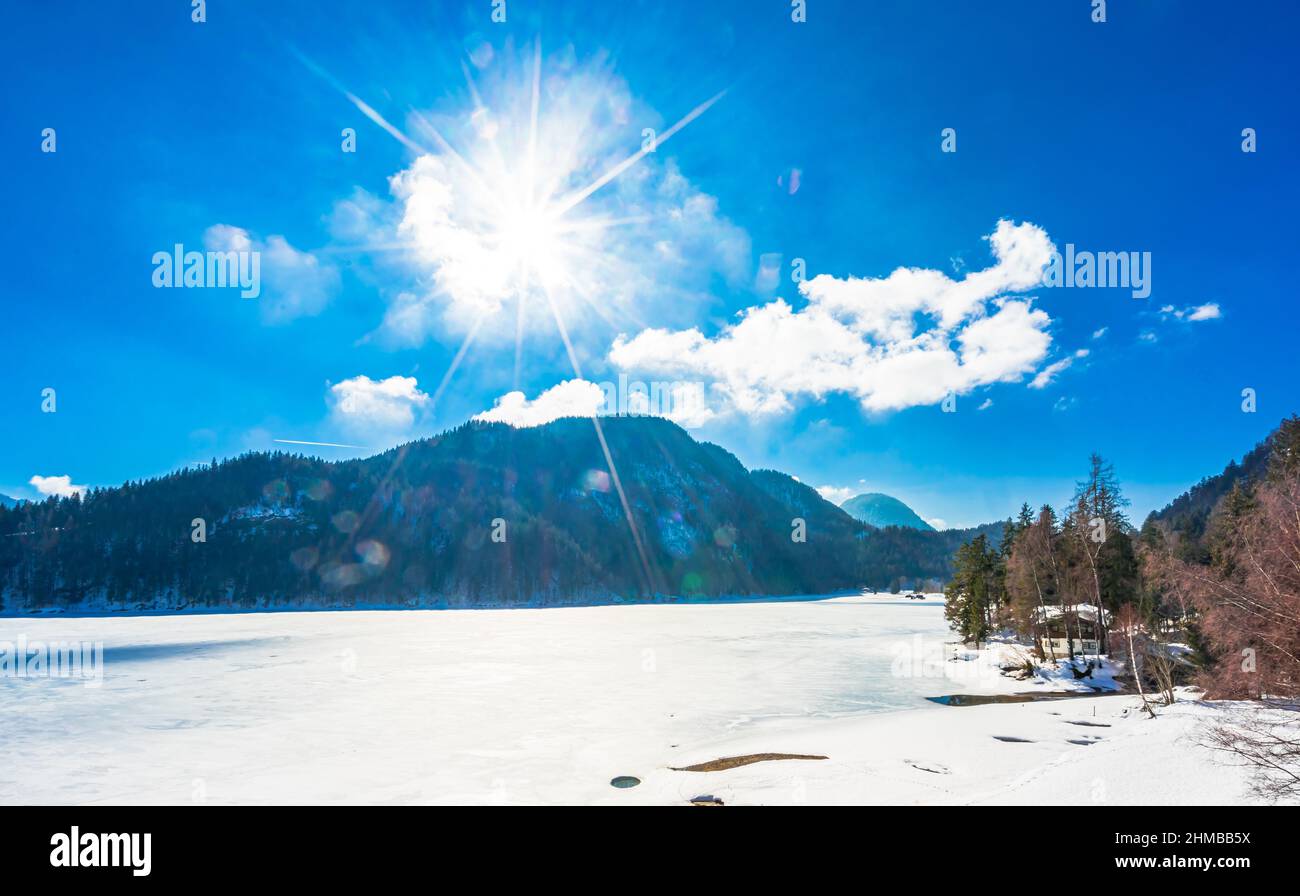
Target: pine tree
{"x": 973, "y": 591}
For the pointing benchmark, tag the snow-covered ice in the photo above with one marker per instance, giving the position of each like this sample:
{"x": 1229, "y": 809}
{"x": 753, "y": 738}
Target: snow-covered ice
{"x": 548, "y": 705}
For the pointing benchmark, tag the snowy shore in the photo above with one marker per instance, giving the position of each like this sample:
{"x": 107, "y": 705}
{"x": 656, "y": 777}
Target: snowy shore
{"x": 548, "y": 706}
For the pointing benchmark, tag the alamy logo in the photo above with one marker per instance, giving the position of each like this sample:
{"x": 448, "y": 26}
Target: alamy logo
{"x": 1102, "y": 270}
{"x": 78, "y": 850}
{"x": 53, "y": 659}
{"x": 236, "y": 267}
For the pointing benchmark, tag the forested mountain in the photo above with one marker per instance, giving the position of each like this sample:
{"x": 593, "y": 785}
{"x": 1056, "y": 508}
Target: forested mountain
{"x": 1188, "y": 516}
{"x": 879, "y": 510}
{"x": 482, "y": 514}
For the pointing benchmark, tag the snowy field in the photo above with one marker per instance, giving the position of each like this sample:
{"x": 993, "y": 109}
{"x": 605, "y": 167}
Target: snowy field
{"x": 547, "y": 706}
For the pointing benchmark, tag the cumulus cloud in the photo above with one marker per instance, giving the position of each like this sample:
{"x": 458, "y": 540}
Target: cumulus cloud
{"x": 895, "y": 342}
{"x": 378, "y": 408}
{"x": 294, "y": 283}
{"x": 681, "y": 402}
{"x": 571, "y": 398}
{"x": 836, "y": 494}
{"x": 56, "y": 485}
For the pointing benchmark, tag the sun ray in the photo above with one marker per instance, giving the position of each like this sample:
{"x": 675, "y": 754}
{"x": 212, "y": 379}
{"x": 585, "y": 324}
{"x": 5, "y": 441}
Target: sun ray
{"x": 581, "y": 195}
{"x": 604, "y": 447}
{"x": 534, "y": 105}
{"x": 455, "y": 362}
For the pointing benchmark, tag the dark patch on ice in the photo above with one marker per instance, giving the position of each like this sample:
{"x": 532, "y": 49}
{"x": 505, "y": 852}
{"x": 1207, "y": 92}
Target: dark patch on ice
{"x": 933, "y": 768}
{"x": 623, "y": 782}
{"x": 1087, "y": 724}
{"x": 1081, "y": 743}
{"x": 707, "y": 799}
{"x": 985, "y": 699}
{"x": 721, "y": 765}
{"x": 1007, "y": 739}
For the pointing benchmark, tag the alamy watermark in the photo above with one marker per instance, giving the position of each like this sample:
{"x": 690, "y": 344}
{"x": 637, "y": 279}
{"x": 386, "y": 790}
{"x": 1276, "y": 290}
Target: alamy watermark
{"x": 83, "y": 660}
{"x": 1100, "y": 270}
{"x": 679, "y": 399}
{"x": 219, "y": 269}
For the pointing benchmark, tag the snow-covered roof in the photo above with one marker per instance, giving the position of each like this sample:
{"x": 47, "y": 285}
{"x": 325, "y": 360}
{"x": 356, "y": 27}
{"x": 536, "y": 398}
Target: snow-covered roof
{"x": 1086, "y": 612}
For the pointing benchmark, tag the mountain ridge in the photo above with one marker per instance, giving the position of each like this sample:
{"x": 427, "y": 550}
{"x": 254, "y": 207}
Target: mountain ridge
{"x": 483, "y": 514}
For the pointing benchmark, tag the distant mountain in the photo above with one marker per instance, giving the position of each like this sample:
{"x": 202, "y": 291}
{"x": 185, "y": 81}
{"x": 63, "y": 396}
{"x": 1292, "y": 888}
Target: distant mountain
{"x": 6, "y": 501}
{"x": 879, "y": 510}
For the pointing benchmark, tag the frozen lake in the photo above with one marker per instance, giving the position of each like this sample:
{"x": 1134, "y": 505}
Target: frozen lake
{"x": 473, "y": 706}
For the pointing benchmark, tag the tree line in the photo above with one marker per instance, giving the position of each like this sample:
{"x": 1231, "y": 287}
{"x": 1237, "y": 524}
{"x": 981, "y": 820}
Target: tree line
{"x": 1205, "y": 592}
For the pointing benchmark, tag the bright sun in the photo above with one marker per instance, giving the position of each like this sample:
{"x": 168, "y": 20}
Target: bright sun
{"x": 529, "y": 240}
{"x": 510, "y": 203}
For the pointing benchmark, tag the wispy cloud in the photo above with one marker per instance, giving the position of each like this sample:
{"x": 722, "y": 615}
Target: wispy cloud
{"x": 1050, "y": 372}
{"x": 295, "y": 283}
{"x": 1208, "y": 311}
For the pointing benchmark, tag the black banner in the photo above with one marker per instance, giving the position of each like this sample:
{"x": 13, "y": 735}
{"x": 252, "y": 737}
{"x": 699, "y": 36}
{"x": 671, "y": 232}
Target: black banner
{"x": 142, "y": 846}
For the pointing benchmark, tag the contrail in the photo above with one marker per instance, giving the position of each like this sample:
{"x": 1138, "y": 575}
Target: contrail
{"x": 320, "y": 444}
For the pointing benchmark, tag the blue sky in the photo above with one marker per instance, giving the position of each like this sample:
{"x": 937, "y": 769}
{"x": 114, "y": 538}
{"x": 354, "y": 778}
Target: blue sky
{"x": 1119, "y": 136}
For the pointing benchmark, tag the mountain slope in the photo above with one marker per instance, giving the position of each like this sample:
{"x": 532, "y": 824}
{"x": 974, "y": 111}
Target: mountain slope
{"x": 1189, "y": 513}
{"x": 879, "y": 510}
{"x": 6, "y": 501}
{"x": 483, "y": 514}
{"x": 1189, "y": 516}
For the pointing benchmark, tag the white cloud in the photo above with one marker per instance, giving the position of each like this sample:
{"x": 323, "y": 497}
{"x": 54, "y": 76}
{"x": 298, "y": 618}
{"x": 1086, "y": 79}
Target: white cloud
{"x": 836, "y": 494}
{"x": 908, "y": 339}
{"x": 1048, "y": 373}
{"x": 378, "y": 408}
{"x": 1097, "y": 334}
{"x": 1208, "y": 311}
{"x": 938, "y": 523}
{"x": 987, "y": 403}
{"x": 295, "y": 283}
{"x": 681, "y": 402}
{"x": 56, "y": 485}
{"x": 571, "y": 398}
